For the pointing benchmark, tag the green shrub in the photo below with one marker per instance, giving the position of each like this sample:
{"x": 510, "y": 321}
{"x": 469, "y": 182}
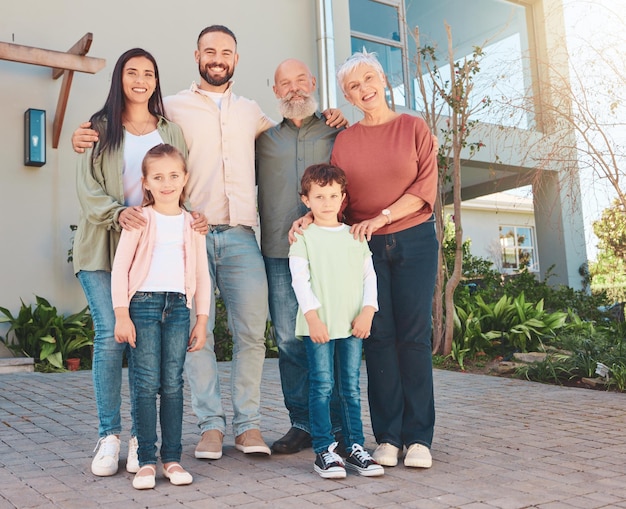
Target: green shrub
{"x": 46, "y": 335}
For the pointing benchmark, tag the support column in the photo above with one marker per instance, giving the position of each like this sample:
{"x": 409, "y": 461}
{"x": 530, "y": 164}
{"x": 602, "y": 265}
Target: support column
{"x": 560, "y": 228}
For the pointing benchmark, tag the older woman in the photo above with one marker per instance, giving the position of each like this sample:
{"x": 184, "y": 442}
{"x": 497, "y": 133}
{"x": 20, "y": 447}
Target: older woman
{"x": 390, "y": 162}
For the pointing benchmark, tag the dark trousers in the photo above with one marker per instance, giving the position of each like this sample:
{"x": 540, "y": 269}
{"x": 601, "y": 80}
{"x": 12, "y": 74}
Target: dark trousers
{"x": 398, "y": 353}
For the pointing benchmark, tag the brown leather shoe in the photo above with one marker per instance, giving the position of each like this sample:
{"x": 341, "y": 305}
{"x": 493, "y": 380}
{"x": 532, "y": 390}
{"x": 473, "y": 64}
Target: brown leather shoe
{"x": 210, "y": 445}
{"x": 251, "y": 442}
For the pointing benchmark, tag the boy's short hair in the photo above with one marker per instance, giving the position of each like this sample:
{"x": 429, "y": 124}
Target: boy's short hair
{"x": 322, "y": 175}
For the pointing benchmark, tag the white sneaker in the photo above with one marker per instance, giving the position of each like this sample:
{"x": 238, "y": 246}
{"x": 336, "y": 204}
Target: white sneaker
{"x": 105, "y": 462}
{"x": 418, "y": 456}
{"x": 386, "y": 455}
{"x": 132, "y": 460}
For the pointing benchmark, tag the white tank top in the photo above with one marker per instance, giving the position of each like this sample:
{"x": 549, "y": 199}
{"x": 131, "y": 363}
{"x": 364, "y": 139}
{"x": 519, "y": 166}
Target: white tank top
{"x": 135, "y": 148}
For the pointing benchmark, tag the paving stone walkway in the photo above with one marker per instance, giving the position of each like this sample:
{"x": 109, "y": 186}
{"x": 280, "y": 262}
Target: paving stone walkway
{"x": 499, "y": 443}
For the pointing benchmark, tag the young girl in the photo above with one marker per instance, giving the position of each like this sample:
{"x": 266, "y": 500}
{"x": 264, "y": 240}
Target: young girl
{"x": 157, "y": 271}
{"x": 108, "y": 185}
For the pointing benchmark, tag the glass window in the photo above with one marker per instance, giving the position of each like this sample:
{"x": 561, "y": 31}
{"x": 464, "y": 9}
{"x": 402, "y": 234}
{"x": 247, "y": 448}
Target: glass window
{"x": 391, "y": 60}
{"x": 499, "y": 27}
{"x": 518, "y": 248}
{"x": 376, "y": 27}
{"x": 373, "y": 18}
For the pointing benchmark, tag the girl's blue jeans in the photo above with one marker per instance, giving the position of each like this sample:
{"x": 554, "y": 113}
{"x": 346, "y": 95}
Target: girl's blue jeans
{"x": 162, "y": 333}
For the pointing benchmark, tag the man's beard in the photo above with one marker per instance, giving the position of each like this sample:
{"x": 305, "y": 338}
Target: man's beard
{"x": 216, "y": 82}
{"x": 297, "y": 110}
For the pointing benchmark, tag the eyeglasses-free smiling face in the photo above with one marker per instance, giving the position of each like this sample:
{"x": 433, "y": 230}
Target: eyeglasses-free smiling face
{"x": 294, "y": 86}
{"x": 138, "y": 80}
{"x": 165, "y": 179}
{"x": 217, "y": 58}
{"x": 364, "y": 87}
{"x": 325, "y": 203}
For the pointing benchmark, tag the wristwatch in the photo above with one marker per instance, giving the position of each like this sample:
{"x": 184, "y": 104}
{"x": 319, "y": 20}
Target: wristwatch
{"x": 387, "y": 214}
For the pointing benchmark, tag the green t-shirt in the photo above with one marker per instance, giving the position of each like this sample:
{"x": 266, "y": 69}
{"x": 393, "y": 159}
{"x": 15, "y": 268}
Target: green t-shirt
{"x": 336, "y": 262}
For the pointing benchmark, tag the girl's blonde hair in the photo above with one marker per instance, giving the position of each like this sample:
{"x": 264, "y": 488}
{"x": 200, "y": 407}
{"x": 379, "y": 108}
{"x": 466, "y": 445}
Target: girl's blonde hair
{"x": 157, "y": 152}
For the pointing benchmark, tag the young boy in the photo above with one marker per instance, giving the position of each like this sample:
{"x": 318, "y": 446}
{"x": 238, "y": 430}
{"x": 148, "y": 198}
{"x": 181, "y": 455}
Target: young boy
{"x": 334, "y": 281}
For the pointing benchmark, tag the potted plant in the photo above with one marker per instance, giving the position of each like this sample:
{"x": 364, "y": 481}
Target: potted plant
{"x": 44, "y": 334}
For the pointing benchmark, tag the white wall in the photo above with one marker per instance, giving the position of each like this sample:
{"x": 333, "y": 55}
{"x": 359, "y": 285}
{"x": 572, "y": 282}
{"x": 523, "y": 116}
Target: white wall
{"x": 37, "y": 205}
{"x": 482, "y": 217}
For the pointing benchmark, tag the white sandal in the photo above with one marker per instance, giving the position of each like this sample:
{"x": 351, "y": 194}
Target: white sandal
{"x": 145, "y": 482}
{"x": 177, "y": 478}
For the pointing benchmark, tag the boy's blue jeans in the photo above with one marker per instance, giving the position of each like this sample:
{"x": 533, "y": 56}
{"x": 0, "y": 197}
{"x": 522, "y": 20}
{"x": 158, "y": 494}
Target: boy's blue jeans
{"x": 338, "y": 361}
{"x": 162, "y": 330}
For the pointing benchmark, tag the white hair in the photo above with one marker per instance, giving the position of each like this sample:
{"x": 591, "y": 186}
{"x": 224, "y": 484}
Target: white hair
{"x": 355, "y": 60}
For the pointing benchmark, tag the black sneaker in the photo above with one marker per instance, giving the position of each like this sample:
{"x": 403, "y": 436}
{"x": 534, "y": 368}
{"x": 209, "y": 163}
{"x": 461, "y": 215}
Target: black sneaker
{"x": 361, "y": 461}
{"x": 329, "y": 465}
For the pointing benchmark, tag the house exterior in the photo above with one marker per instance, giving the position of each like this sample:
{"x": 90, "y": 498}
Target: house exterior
{"x": 501, "y": 228}
{"x": 39, "y": 203}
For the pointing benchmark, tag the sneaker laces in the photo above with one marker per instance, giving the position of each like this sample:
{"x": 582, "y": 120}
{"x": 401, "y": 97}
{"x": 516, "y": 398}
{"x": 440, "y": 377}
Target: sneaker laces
{"x": 133, "y": 445}
{"x": 361, "y": 454}
{"x": 331, "y": 456}
{"x": 106, "y": 447}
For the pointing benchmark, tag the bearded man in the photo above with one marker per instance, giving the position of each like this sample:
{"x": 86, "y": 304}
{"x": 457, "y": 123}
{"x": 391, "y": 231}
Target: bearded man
{"x": 220, "y": 128}
{"x": 283, "y": 152}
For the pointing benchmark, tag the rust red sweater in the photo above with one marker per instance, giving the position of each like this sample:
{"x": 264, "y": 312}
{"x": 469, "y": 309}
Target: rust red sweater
{"x": 384, "y": 162}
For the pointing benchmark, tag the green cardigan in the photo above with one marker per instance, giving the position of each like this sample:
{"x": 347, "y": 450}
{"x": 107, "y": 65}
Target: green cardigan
{"x": 100, "y": 190}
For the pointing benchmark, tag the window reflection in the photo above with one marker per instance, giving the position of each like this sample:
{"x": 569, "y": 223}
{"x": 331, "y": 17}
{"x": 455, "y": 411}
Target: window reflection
{"x": 518, "y": 248}
{"x": 498, "y": 26}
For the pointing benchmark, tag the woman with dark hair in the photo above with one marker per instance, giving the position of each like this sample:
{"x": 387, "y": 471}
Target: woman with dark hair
{"x": 108, "y": 184}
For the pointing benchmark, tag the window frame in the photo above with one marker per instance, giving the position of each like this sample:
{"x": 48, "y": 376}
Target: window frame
{"x": 401, "y": 45}
{"x": 533, "y": 11}
{"x": 532, "y": 249}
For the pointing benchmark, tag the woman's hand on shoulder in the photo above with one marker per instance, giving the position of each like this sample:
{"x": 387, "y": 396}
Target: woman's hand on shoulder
{"x": 132, "y": 218}
{"x": 298, "y": 225}
{"x": 365, "y": 229}
{"x": 200, "y": 223}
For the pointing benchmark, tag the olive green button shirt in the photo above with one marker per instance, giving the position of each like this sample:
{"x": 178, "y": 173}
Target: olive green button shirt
{"x": 283, "y": 152}
{"x": 100, "y": 190}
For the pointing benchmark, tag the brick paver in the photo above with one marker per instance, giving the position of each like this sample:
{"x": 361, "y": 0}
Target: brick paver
{"x": 499, "y": 443}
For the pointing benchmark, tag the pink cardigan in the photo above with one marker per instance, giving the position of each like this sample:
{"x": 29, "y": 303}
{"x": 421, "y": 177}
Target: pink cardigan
{"x": 134, "y": 256}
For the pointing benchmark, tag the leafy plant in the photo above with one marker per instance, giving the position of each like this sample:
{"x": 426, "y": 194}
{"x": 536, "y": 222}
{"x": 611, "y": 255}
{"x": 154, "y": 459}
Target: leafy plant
{"x": 554, "y": 369}
{"x": 44, "y": 334}
{"x": 618, "y": 376}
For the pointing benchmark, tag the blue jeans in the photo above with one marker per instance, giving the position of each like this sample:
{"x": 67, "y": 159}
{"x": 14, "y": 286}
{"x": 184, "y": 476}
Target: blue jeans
{"x": 107, "y": 353}
{"x": 292, "y": 361}
{"x": 237, "y": 268}
{"x": 162, "y": 326}
{"x": 398, "y": 353}
{"x": 335, "y": 364}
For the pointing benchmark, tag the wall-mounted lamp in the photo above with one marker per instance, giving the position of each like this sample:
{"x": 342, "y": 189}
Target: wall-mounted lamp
{"x": 34, "y": 137}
